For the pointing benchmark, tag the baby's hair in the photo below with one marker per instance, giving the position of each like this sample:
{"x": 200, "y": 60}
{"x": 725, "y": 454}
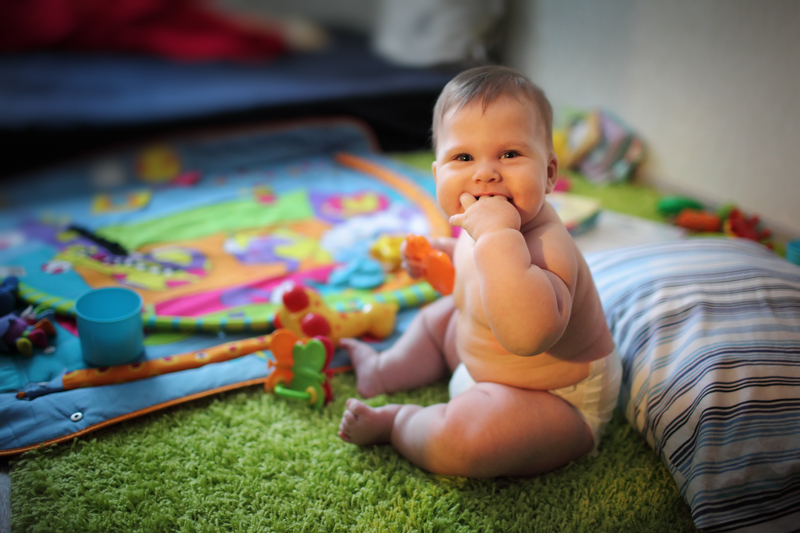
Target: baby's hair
{"x": 486, "y": 84}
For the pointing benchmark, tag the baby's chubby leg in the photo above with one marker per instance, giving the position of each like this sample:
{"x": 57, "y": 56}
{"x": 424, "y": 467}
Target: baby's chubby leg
{"x": 419, "y": 357}
{"x": 488, "y": 431}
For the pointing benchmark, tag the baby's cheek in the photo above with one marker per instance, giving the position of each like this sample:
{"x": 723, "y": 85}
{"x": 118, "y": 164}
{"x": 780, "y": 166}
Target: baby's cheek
{"x": 451, "y": 208}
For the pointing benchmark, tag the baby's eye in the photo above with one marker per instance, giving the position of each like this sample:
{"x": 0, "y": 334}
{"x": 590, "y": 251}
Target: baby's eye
{"x": 510, "y": 154}
{"x": 463, "y": 157}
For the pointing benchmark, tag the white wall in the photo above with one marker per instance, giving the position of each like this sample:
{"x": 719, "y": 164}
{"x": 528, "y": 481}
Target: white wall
{"x": 713, "y": 87}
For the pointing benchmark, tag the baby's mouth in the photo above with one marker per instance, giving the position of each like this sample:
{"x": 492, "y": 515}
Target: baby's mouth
{"x": 510, "y": 200}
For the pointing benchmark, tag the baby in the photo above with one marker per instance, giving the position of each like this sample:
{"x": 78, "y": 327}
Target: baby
{"x": 535, "y": 372}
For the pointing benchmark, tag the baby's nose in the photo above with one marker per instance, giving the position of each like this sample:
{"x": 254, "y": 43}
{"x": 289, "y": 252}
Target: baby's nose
{"x": 486, "y": 174}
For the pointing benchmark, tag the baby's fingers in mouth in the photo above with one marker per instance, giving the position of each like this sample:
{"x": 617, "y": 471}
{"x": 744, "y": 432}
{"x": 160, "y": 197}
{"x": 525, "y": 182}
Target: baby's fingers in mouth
{"x": 467, "y": 200}
{"x": 479, "y": 198}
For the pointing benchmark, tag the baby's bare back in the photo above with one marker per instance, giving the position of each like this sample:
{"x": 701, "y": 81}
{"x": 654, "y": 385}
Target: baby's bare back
{"x": 585, "y": 339}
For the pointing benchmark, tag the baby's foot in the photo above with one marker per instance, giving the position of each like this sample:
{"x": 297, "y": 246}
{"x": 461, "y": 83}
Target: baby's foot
{"x": 365, "y": 360}
{"x": 362, "y": 424}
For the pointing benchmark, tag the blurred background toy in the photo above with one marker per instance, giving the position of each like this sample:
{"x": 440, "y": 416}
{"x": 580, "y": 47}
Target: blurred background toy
{"x": 307, "y": 315}
{"x": 8, "y": 294}
{"x": 359, "y": 273}
{"x": 672, "y": 205}
{"x": 726, "y": 220}
{"x": 698, "y": 220}
{"x": 386, "y": 249}
{"x": 600, "y": 146}
{"x": 20, "y": 332}
{"x": 738, "y": 225}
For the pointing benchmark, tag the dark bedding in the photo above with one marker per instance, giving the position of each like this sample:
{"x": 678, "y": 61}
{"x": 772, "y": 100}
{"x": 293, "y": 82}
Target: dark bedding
{"x": 55, "y": 105}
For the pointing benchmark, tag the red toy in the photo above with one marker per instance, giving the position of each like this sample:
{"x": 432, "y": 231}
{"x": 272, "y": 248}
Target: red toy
{"x": 306, "y": 314}
{"x": 738, "y": 225}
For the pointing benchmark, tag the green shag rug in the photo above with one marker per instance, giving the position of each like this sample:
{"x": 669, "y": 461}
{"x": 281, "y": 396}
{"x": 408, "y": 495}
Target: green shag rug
{"x": 249, "y": 461}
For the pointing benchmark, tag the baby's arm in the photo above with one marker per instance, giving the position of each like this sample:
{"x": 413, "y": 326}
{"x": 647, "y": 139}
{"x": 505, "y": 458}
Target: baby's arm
{"x": 525, "y": 290}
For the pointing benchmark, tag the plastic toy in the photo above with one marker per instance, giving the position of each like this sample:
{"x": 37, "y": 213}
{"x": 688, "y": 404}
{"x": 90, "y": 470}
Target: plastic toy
{"x": 386, "y": 249}
{"x": 306, "y": 315}
{"x": 697, "y": 220}
{"x": 793, "y": 252}
{"x": 401, "y": 298}
{"x": 110, "y": 330}
{"x": 358, "y": 273}
{"x": 301, "y": 368}
{"x": 439, "y": 270}
{"x": 8, "y": 294}
{"x": 97, "y": 377}
{"x": 573, "y": 144}
{"x": 21, "y": 332}
{"x": 616, "y": 156}
{"x": 738, "y": 225}
{"x": 158, "y": 164}
{"x": 728, "y": 219}
{"x": 599, "y": 145}
{"x": 673, "y": 205}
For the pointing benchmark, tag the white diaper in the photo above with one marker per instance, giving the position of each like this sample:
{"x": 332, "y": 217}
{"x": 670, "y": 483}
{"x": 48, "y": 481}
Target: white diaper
{"x": 594, "y": 398}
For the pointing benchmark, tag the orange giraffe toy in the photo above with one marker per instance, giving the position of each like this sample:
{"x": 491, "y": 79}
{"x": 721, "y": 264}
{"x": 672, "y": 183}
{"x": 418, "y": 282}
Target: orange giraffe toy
{"x": 439, "y": 270}
{"x": 306, "y": 314}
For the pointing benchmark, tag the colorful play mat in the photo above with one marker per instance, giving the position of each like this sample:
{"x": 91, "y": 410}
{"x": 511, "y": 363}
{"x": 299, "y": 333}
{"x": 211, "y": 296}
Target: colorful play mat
{"x": 210, "y": 230}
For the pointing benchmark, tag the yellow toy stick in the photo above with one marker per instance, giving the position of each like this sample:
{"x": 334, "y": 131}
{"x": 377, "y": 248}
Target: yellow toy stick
{"x": 439, "y": 270}
{"x": 306, "y": 314}
{"x": 96, "y": 377}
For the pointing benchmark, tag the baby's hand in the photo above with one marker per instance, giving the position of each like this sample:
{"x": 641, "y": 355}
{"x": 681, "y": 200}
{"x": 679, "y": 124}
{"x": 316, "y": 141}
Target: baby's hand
{"x": 486, "y": 214}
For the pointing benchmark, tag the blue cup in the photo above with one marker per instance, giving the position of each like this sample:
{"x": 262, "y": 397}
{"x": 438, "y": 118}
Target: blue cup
{"x": 110, "y": 326}
{"x": 793, "y": 252}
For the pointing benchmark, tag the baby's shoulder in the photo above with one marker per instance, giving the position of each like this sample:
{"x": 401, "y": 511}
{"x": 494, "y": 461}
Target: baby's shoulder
{"x": 552, "y": 248}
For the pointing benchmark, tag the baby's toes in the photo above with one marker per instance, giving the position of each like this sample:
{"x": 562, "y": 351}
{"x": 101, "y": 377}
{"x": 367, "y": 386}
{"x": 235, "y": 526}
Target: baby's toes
{"x": 348, "y": 418}
{"x": 357, "y": 408}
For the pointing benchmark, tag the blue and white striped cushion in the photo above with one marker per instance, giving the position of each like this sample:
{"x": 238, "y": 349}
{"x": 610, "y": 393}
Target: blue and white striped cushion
{"x": 709, "y": 333}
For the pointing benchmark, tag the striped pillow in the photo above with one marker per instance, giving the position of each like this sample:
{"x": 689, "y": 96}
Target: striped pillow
{"x": 709, "y": 332}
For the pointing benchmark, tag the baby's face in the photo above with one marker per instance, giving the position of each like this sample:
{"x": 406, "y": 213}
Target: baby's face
{"x": 501, "y": 151}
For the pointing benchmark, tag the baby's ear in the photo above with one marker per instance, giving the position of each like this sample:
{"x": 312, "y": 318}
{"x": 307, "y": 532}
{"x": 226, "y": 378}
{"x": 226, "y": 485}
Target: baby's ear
{"x": 552, "y": 172}
{"x": 433, "y": 169}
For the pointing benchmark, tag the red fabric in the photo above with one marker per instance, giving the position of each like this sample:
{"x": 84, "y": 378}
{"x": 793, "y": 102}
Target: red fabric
{"x": 179, "y": 29}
